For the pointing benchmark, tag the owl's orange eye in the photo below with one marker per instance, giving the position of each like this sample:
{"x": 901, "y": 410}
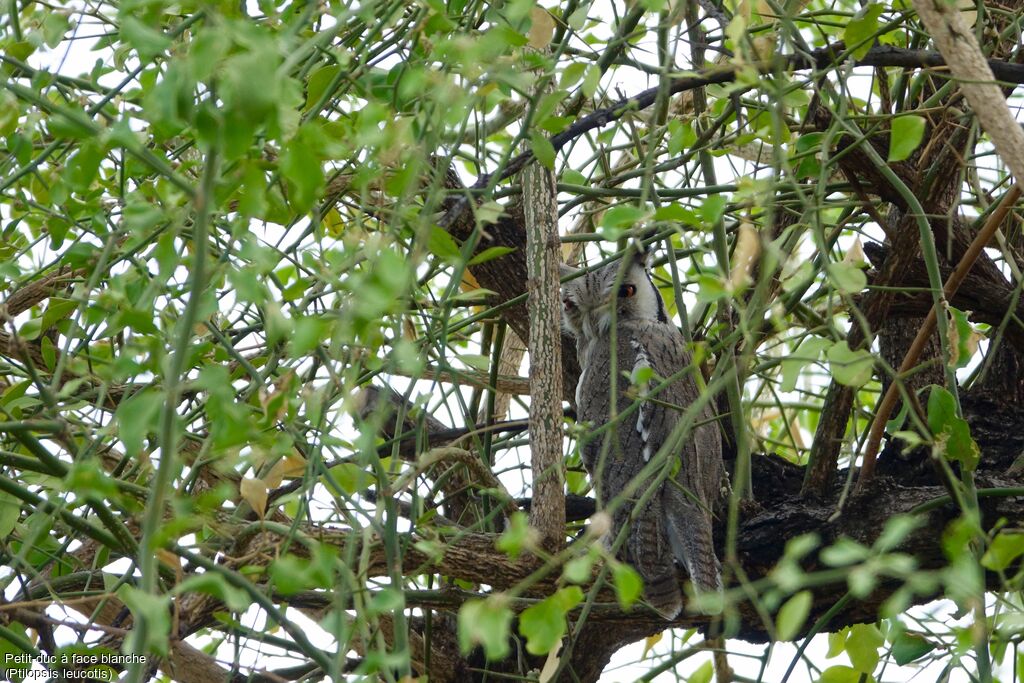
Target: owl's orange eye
{"x": 568, "y": 303}
{"x": 627, "y": 291}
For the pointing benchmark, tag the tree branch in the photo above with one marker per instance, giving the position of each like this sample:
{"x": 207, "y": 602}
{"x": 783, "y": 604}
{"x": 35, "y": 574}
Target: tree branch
{"x": 543, "y": 257}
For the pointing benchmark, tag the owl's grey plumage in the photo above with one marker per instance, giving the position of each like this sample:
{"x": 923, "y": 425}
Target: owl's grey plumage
{"x": 675, "y": 523}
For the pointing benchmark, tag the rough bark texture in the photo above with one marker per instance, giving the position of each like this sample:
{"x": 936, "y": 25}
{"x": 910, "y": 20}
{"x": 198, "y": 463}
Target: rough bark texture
{"x": 543, "y": 250}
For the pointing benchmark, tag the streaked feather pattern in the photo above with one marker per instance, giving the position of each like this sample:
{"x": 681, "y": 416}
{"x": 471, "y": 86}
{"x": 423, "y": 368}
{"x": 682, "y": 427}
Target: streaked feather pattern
{"x": 671, "y": 524}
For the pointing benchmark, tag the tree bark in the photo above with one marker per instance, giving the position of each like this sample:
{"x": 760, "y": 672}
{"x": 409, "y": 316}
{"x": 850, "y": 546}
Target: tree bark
{"x": 543, "y": 249}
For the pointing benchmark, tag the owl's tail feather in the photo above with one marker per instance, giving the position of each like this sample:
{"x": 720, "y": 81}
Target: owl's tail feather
{"x": 646, "y": 550}
{"x": 664, "y": 595}
{"x": 689, "y": 532}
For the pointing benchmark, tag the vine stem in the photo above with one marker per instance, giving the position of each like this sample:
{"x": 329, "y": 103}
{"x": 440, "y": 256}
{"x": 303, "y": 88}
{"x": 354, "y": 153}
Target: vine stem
{"x": 148, "y": 546}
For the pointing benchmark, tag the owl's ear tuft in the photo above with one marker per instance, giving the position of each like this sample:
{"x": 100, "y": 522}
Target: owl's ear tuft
{"x": 565, "y": 270}
{"x": 643, "y": 254}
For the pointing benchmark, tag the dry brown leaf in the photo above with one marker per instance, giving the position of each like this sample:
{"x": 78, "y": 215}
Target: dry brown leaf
{"x": 254, "y": 492}
{"x": 542, "y": 30}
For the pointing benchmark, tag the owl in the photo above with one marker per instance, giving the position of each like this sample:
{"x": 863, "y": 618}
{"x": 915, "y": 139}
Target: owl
{"x": 672, "y": 524}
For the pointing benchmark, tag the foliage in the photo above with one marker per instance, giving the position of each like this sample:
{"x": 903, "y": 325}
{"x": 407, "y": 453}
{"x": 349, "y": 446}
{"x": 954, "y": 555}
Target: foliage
{"x": 224, "y": 222}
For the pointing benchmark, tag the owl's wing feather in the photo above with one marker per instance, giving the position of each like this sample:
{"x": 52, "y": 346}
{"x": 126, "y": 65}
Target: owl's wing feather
{"x": 648, "y": 550}
{"x": 690, "y": 534}
{"x": 687, "y": 499}
{"x": 674, "y": 524}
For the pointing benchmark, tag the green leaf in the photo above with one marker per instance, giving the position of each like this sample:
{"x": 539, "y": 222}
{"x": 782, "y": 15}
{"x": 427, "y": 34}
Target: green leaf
{"x": 308, "y": 333}
{"x": 301, "y": 167}
{"x": 862, "y": 646}
{"x": 10, "y": 510}
{"x": 809, "y": 351}
{"x": 861, "y": 580}
{"x": 805, "y": 152}
{"x": 141, "y": 216}
{"x": 573, "y": 177}
{"x": 543, "y": 624}
{"x": 909, "y": 647}
{"x": 81, "y": 169}
{"x": 542, "y": 149}
{"x": 591, "y": 81}
{"x": 440, "y": 243}
{"x": 896, "y": 529}
{"x": 317, "y": 84}
{"x": 572, "y": 74}
{"x": 252, "y": 201}
{"x": 905, "y": 136}
{"x": 849, "y": 367}
{"x": 31, "y": 329}
{"x": 713, "y": 208}
{"x": 681, "y": 136}
{"x": 517, "y": 537}
{"x": 147, "y": 41}
{"x": 88, "y": 481}
{"x": 12, "y": 652}
{"x": 839, "y": 674}
{"x": 578, "y": 569}
{"x": 859, "y": 33}
{"x": 792, "y": 615}
{"x": 55, "y": 25}
{"x": 952, "y": 433}
{"x": 387, "y": 601}
{"x": 57, "y": 310}
{"x": 1006, "y": 547}
{"x": 710, "y": 288}
{"x": 621, "y": 218}
{"x": 845, "y": 551}
{"x": 351, "y": 478}
{"x": 291, "y": 574}
{"x": 847, "y": 277}
{"x": 676, "y": 212}
{"x": 628, "y": 584}
{"x": 212, "y": 583}
{"x": 155, "y": 611}
{"x": 962, "y": 339}
{"x": 489, "y": 254}
{"x": 703, "y": 673}
{"x": 248, "y": 106}
{"x": 641, "y": 375}
{"x": 206, "y": 51}
{"x": 836, "y": 643}
{"x": 488, "y": 623}
{"x": 136, "y": 417}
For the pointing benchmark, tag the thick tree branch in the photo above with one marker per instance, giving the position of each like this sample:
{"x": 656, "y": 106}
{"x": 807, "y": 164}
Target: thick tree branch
{"x": 543, "y": 257}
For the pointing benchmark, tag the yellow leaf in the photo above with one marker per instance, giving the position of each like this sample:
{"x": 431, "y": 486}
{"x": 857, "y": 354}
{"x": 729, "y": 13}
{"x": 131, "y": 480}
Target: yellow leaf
{"x": 254, "y": 492}
{"x": 744, "y": 256}
{"x": 651, "y": 641}
{"x": 542, "y": 28}
{"x": 292, "y": 466}
{"x": 334, "y": 223}
{"x": 469, "y": 282}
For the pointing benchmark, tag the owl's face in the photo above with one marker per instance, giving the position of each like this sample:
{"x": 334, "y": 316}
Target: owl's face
{"x": 588, "y": 302}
